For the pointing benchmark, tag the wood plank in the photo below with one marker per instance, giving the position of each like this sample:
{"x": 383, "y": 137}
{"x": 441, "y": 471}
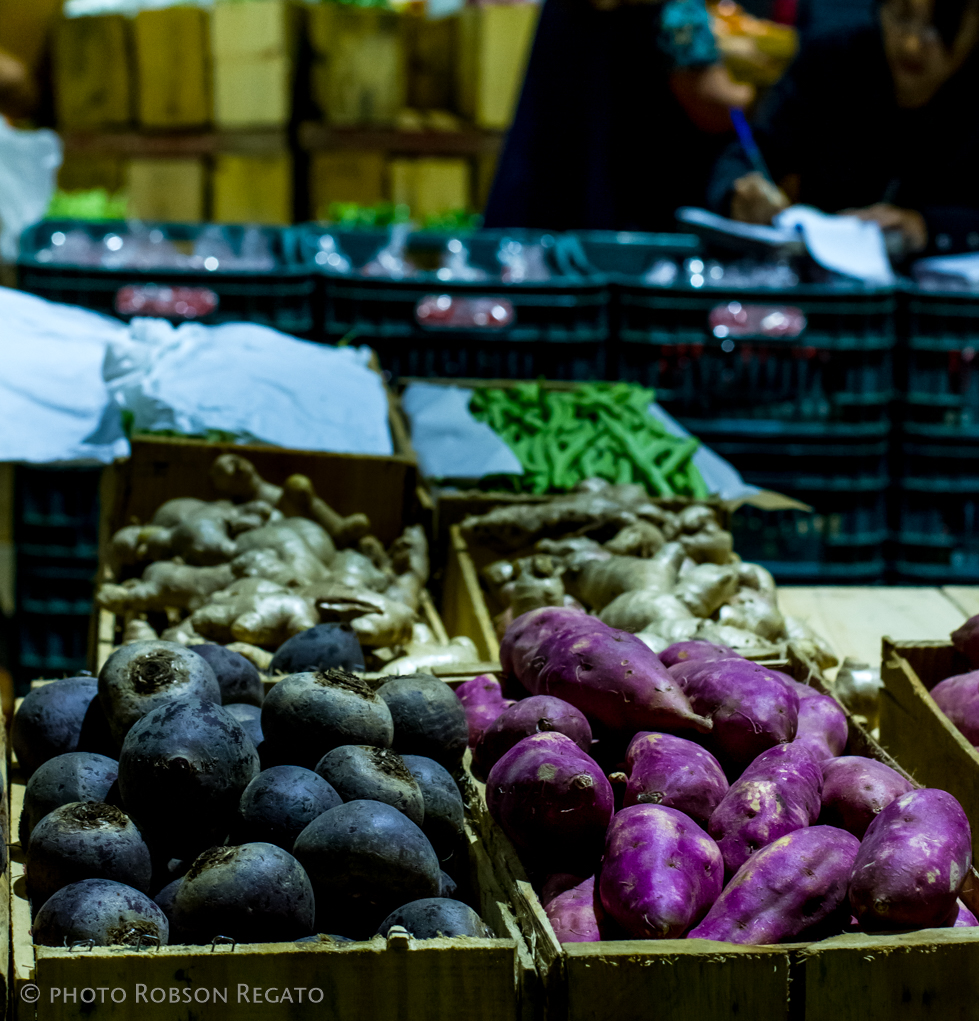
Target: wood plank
{"x": 171, "y": 59}
{"x": 165, "y": 145}
{"x": 463, "y": 607}
{"x": 854, "y": 620}
{"x": 21, "y": 945}
{"x": 316, "y": 137}
{"x": 921, "y": 737}
{"x": 927, "y": 974}
{"x": 965, "y": 598}
{"x": 93, "y": 76}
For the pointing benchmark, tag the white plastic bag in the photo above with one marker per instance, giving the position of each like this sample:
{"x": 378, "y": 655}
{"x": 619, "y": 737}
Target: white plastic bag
{"x": 29, "y": 161}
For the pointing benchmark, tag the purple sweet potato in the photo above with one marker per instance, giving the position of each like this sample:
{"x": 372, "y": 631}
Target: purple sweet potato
{"x": 661, "y": 872}
{"x": 671, "y": 771}
{"x": 778, "y": 793}
{"x": 558, "y": 883}
{"x": 786, "y": 888}
{"x": 695, "y": 650}
{"x": 523, "y": 637}
{"x": 966, "y": 640}
{"x": 483, "y": 700}
{"x": 822, "y": 723}
{"x": 612, "y": 676}
{"x": 964, "y": 918}
{"x": 535, "y": 715}
{"x": 553, "y": 801}
{"x": 751, "y": 707}
{"x": 958, "y": 699}
{"x": 912, "y": 863}
{"x": 856, "y": 789}
{"x": 576, "y": 915}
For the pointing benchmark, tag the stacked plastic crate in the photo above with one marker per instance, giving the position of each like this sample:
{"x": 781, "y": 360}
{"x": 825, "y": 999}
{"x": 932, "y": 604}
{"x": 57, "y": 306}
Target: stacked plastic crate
{"x": 474, "y": 304}
{"x": 56, "y": 520}
{"x": 936, "y": 513}
{"x": 790, "y": 381}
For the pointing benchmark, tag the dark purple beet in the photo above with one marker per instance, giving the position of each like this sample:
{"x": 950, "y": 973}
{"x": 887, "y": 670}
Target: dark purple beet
{"x": 437, "y": 916}
{"x": 85, "y": 840}
{"x": 428, "y": 718}
{"x": 49, "y": 720}
{"x": 182, "y": 771}
{"x": 74, "y": 776}
{"x": 238, "y": 679}
{"x": 365, "y": 859}
{"x": 324, "y": 647}
{"x": 250, "y": 719}
{"x": 280, "y": 803}
{"x": 361, "y": 772}
{"x": 101, "y": 910}
{"x": 535, "y": 715}
{"x": 254, "y": 893}
{"x": 444, "y": 810}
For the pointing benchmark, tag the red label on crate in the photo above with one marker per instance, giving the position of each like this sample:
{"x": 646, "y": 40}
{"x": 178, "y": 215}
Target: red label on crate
{"x": 168, "y": 302}
{"x": 443, "y": 311}
{"x": 733, "y": 319}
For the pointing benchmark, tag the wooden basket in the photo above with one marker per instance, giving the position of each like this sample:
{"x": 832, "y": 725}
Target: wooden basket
{"x": 853, "y": 977}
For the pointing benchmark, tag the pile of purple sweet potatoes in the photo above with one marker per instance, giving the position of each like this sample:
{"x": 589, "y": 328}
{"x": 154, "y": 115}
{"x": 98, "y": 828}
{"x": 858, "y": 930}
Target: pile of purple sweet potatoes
{"x": 696, "y": 793}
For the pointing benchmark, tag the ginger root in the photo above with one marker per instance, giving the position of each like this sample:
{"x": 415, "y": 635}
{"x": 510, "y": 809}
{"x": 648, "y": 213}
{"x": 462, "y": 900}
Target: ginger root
{"x": 707, "y": 587}
{"x": 642, "y": 539}
{"x": 236, "y": 477}
{"x": 165, "y": 584}
{"x": 537, "y": 584}
{"x": 255, "y": 611}
{"x": 644, "y": 608}
{"x": 376, "y": 620}
{"x": 289, "y": 544}
{"x": 299, "y": 499}
{"x": 460, "y": 652}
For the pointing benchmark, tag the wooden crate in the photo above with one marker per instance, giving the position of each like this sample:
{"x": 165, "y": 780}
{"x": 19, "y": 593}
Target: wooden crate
{"x": 442, "y": 979}
{"x": 253, "y": 44}
{"x": 359, "y": 73}
{"x": 845, "y": 978}
{"x": 494, "y": 44}
{"x": 172, "y": 67}
{"x": 916, "y": 731}
{"x": 431, "y": 54}
{"x": 346, "y": 177}
{"x": 93, "y": 77}
{"x": 252, "y": 189}
{"x": 171, "y": 190}
{"x": 430, "y": 186}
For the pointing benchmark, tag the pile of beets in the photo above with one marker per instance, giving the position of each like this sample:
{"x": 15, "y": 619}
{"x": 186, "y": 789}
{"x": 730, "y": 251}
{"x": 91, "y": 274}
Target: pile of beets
{"x": 698, "y": 794}
{"x": 169, "y": 802}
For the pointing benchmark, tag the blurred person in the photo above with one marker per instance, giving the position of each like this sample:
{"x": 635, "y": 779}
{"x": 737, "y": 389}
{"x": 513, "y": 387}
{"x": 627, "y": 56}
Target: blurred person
{"x": 18, "y": 93}
{"x": 878, "y": 121}
{"x": 623, "y": 111}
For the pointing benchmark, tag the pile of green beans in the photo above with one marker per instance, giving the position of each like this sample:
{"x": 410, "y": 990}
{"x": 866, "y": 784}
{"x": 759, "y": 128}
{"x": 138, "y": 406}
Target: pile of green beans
{"x": 601, "y": 430}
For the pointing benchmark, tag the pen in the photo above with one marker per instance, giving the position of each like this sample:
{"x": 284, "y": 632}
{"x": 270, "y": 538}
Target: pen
{"x": 748, "y": 143}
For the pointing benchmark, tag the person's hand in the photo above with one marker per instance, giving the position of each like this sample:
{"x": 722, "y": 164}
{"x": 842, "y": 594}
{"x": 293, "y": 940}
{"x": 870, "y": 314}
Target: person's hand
{"x": 707, "y": 95}
{"x": 756, "y": 199}
{"x": 909, "y": 223}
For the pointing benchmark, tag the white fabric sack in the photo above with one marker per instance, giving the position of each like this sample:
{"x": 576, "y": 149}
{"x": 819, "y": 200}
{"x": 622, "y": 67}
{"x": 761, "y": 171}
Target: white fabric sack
{"x": 54, "y": 405}
{"x": 252, "y": 381}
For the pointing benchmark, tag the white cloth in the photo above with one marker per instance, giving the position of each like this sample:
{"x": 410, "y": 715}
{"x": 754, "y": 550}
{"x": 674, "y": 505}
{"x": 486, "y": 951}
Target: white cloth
{"x": 251, "y": 381}
{"x": 29, "y": 161}
{"x": 450, "y": 443}
{"x": 54, "y": 405}
{"x": 843, "y": 244}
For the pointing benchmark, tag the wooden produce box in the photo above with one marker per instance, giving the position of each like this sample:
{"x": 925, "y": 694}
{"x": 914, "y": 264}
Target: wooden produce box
{"x": 172, "y": 67}
{"x": 167, "y": 190}
{"x": 359, "y": 69}
{"x": 253, "y": 48}
{"x": 252, "y": 188}
{"x": 443, "y": 979}
{"x": 915, "y": 730}
{"x": 927, "y": 974}
{"x": 494, "y": 43}
{"x": 93, "y": 74}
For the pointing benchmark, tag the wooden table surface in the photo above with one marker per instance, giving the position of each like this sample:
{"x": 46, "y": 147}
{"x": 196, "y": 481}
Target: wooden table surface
{"x": 855, "y": 620}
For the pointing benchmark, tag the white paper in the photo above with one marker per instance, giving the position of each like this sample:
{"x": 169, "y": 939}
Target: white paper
{"x": 775, "y": 236}
{"x": 54, "y": 405}
{"x": 843, "y": 244}
{"x": 720, "y": 476}
{"x": 964, "y": 268}
{"x": 251, "y": 381}
{"x": 29, "y": 161}
{"x": 450, "y": 443}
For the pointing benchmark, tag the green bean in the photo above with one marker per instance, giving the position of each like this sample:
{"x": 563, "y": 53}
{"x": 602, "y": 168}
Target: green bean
{"x": 680, "y": 454}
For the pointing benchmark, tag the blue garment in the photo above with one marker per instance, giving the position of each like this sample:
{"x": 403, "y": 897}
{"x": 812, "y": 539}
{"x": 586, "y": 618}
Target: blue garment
{"x": 599, "y": 141}
{"x": 685, "y": 35}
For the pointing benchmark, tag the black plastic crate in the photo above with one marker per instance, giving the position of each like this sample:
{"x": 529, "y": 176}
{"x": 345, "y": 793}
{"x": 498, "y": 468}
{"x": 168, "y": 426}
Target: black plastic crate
{"x": 426, "y": 325}
{"x": 948, "y": 452}
{"x": 49, "y": 646}
{"x": 937, "y": 536}
{"x": 59, "y": 587}
{"x": 278, "y": 290}
{"x": 841, "y": 541}
{"x": 56, "y": 512}
{"x": 941, "y": 385}
{"x": 819, "y": 352}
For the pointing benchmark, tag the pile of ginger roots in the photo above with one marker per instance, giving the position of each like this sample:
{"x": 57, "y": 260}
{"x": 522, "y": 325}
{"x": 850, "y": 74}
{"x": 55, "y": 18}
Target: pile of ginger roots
{"x": 267, "y": 562}
{"x": 665, "y": 573}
